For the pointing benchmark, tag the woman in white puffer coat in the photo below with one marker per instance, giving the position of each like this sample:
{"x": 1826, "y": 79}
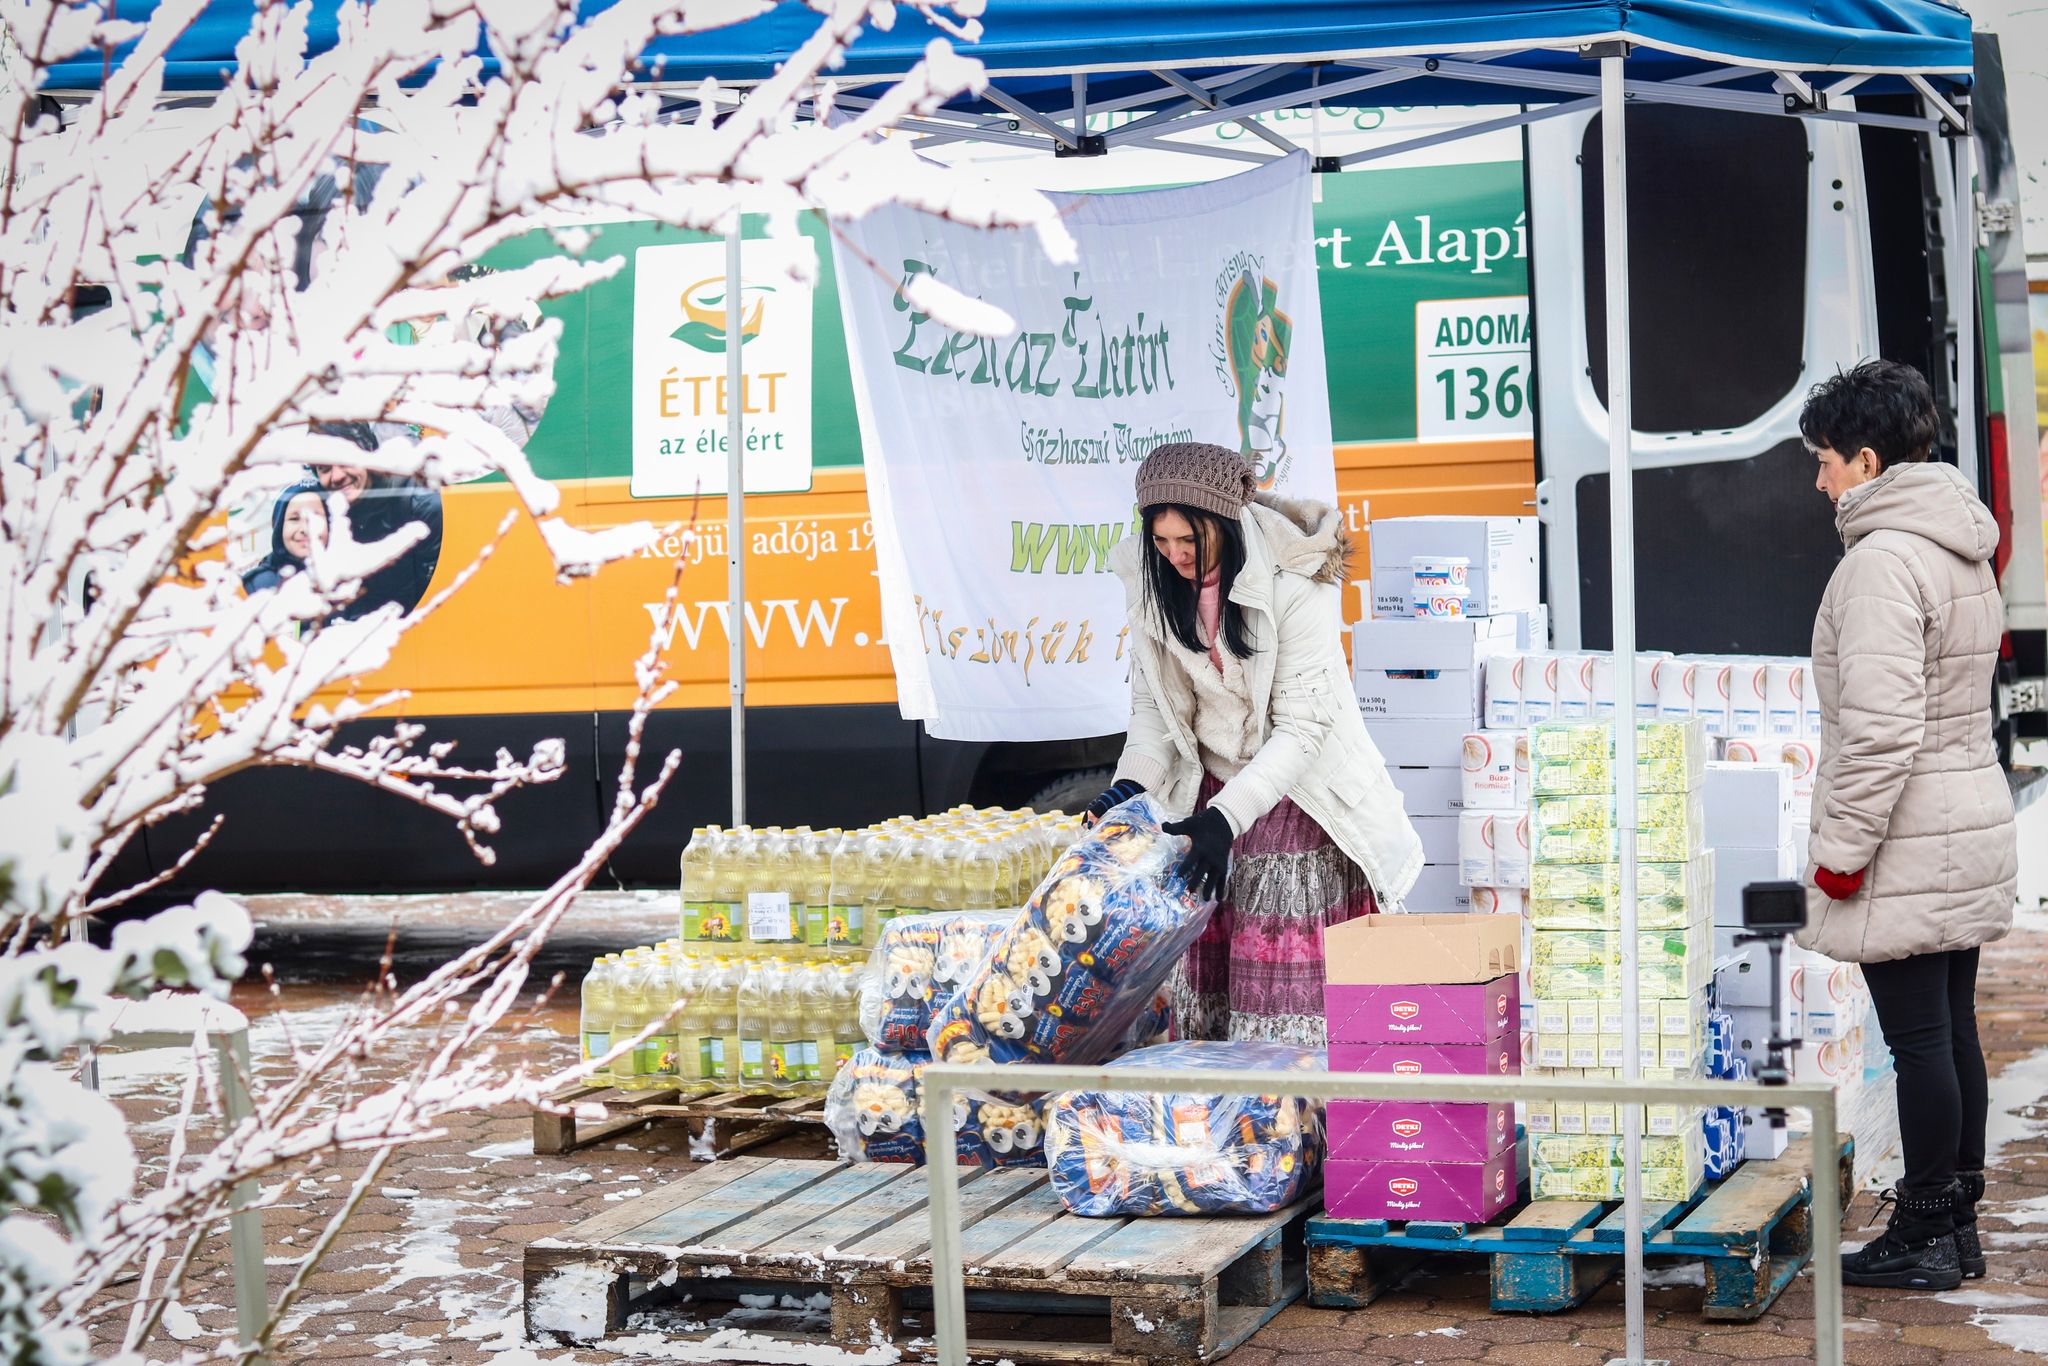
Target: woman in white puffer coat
{"x": 1242, "y": 713}
{"x": 1913, "y": 860}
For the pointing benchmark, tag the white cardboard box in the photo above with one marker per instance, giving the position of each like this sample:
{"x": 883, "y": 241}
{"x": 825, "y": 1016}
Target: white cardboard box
{"x": 1759, "y": 1139}
{"x": 1753, "y": 1030}
{"x": 1502, "y": 550}
{"x": 1433, "y": 790}
{"x": 1438, "y": 892}
{"x": 1743, "y": 975}
{"x": 1736, "y": 868}
{"x": 1425, "y": 669}
{"x": 1439, "y": 836}
{"x": 1419, "y": 743}
{"x": 1748, "y": 806}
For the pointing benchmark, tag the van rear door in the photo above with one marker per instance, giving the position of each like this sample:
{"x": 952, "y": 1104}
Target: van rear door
{"x": 1749, "y": 265}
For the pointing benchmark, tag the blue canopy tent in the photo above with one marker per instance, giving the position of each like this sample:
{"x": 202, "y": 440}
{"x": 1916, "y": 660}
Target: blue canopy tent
{"x": 1175, "y": 65}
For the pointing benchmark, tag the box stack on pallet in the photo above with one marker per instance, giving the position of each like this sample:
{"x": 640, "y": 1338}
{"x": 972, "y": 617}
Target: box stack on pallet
{"x": 1420, "y": 679}
{"x": 1575, "y": 962}
{"x": 1422, "y": 995}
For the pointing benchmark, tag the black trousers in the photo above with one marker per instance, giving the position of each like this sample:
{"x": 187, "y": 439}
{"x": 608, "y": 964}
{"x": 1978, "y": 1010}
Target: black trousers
{"x": 1927, "y": 1005}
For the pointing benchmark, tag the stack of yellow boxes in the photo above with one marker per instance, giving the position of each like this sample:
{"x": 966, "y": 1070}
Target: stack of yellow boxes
{"x": 1575, "y": 951}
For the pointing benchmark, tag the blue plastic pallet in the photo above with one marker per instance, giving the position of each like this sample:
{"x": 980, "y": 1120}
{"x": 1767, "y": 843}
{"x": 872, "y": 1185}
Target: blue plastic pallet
{"x": 1751, "y": 1233}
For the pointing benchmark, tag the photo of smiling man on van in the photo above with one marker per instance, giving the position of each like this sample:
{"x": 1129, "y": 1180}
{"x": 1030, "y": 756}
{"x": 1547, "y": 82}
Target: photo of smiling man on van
{"x": 377, "y": 505}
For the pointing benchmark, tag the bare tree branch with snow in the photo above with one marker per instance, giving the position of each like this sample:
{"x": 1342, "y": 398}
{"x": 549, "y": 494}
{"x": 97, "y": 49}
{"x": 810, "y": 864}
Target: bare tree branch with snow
{"x": 195, "y": 306}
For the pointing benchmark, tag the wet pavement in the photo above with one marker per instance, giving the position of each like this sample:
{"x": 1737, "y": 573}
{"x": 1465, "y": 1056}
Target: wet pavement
{"x": 429, "y": 1270}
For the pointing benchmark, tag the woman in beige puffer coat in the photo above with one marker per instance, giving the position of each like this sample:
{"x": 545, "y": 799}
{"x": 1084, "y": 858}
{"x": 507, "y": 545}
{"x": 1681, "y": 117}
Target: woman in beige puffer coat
{"x": 1913, "y": 856}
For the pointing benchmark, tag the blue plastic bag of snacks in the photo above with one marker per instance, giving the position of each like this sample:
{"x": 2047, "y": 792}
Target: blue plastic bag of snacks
{"x": 873, "y": 1112}
{"x": 918, "y": 961}
{"x": 1131, "y": 1153}
{"x": 1071, "y": 976}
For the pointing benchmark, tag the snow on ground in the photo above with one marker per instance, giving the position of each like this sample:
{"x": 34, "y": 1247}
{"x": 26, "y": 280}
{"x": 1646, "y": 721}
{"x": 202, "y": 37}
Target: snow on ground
{"x": 2022, "y": 1332}
{"x": 2018, "y": 1108}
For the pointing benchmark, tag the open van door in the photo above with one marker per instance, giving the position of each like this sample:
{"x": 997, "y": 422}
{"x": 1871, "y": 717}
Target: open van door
{"x": 1750, "y": 271}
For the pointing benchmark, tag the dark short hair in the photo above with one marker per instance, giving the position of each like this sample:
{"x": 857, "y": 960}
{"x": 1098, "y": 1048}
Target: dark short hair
{"x": 1882, "y": 404}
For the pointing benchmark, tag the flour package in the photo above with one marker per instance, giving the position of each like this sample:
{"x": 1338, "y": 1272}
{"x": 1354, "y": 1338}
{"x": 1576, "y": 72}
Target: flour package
{"x": 872, "y": 1111}
{"x": 918, "y": 962}
{"x": 1074, "y": 975}
{"x": 1131, "y": 1153}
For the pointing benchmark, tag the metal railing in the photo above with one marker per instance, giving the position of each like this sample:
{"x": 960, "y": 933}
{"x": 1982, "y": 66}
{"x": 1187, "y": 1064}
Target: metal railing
{"x": 942, "y": 1082}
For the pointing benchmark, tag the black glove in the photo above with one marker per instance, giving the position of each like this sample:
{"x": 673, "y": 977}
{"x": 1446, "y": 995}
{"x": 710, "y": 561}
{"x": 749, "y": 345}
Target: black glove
{"x": 1116, "y": 794}
{"x": 1207, "y": 865}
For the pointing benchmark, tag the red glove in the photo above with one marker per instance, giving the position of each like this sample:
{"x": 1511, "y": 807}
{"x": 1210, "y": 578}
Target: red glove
{"x": 1838, "y": 886}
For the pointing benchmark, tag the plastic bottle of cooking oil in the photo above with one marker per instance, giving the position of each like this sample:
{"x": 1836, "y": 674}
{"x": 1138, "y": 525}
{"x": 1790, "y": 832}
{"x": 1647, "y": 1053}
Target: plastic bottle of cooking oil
{"x": 700, "y": 882}
{"x": 595, "y": 1026}
{"x": 818, "y": 1023}
{"x": 785, "y": 1027}
{"x": 690, "y": 982}
{"x": 720, "y": 1045}
{"x": 756, "y": 987}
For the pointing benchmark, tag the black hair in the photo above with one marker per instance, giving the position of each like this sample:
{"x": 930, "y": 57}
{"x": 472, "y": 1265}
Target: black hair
{"x": 1219, "y": 544}
{"x": 1883, "y": 404}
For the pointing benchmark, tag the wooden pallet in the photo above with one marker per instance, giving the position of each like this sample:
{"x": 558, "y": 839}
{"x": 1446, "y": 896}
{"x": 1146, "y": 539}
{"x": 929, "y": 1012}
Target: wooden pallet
{"x": 737, "y": 1122}
{"x": 1177, "y": 1290}
{"x": 1751, "y": 1233}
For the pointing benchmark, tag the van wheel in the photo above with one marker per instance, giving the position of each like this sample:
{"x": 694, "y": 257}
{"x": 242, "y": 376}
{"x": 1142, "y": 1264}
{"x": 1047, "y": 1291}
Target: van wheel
{"x": 1072, "y": 792}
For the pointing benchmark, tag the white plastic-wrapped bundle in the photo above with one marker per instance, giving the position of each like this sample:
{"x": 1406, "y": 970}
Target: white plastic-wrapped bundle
{"x": 1072, "y": 974}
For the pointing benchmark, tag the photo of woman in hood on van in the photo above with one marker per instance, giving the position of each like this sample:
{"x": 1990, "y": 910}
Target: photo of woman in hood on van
{"x": 298, "y": 522}
{"x": 1242, "y": 721}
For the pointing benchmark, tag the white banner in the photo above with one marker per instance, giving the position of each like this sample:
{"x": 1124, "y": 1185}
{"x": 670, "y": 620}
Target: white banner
{"x": 1000, "y": 470}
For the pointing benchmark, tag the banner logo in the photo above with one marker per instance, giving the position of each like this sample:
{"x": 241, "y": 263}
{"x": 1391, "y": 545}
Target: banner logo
{"x": 1253, "y": 339}
{"x": 703, "y": 306}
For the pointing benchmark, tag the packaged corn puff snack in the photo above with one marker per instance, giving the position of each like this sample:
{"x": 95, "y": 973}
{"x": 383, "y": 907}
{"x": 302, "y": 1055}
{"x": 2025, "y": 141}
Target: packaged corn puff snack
{"x": 1076, "y": 971}
{"x": 917, "y": 961}
{"x": 873, "y": 1110}
{"x": 1132, "y": 1153}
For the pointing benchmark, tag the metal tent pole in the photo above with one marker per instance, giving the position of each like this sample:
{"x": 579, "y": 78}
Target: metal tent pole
{"x": 1622, "y": 557}
{"x": 735, "y": 521}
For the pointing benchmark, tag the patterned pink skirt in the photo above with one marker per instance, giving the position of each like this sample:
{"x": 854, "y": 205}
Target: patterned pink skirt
{"x": 1257, "y": 970}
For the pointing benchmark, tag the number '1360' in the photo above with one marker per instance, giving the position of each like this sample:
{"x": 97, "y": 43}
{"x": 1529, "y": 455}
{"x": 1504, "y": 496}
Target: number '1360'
{"x": 1484, "y": 392}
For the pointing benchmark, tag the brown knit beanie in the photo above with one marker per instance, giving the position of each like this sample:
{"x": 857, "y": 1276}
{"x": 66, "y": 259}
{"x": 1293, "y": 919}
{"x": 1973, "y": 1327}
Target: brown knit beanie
{"x": 1197, "y": 474}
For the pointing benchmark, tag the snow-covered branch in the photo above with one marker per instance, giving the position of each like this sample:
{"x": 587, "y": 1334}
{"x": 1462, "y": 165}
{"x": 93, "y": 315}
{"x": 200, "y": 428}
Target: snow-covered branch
{"x": 208, "y": 303}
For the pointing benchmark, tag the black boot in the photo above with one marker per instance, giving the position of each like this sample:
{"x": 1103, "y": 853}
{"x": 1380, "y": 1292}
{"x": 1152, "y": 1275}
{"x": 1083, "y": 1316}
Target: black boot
{"x": 1969, "y": 1252}
{"x": 1917, "y": 1251}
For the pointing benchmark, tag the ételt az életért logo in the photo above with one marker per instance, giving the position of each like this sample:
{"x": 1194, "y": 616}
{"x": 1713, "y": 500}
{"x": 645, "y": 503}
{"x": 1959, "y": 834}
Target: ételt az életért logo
{"x": 703, "y": 305}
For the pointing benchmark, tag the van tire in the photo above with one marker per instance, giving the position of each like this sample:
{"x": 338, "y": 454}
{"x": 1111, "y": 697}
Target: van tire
{"x": 1072, "y": 792}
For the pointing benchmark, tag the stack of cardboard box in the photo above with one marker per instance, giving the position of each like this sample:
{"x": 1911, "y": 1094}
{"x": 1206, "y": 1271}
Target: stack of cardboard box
{"x": 1422, "y": 995}
{"x": 1421, "y": 682}
{"x": 1575, "y": 956}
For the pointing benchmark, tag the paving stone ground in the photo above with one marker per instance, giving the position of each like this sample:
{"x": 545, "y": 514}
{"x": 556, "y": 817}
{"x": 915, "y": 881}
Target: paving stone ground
{"x": 429, "y": 1270}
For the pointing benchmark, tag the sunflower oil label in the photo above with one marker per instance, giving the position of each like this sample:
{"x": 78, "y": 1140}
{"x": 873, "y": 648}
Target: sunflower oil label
{"x": 753, "y": 1060}
{"x": 695, "y": 913}
{"x": 711, "y": 1056}
{"x": 655, "y": 1056}
{"x": 785, "y": 1061}
{"x": 596, "y": 1043}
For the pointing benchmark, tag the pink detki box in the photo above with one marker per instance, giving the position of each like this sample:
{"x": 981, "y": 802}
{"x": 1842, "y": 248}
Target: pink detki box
{"x": 1408, "y": 1129}
{"x": 1461, "y": 1013}
{"x": 1501, "y": 1058}
{"x": 1408, "y": 1189}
